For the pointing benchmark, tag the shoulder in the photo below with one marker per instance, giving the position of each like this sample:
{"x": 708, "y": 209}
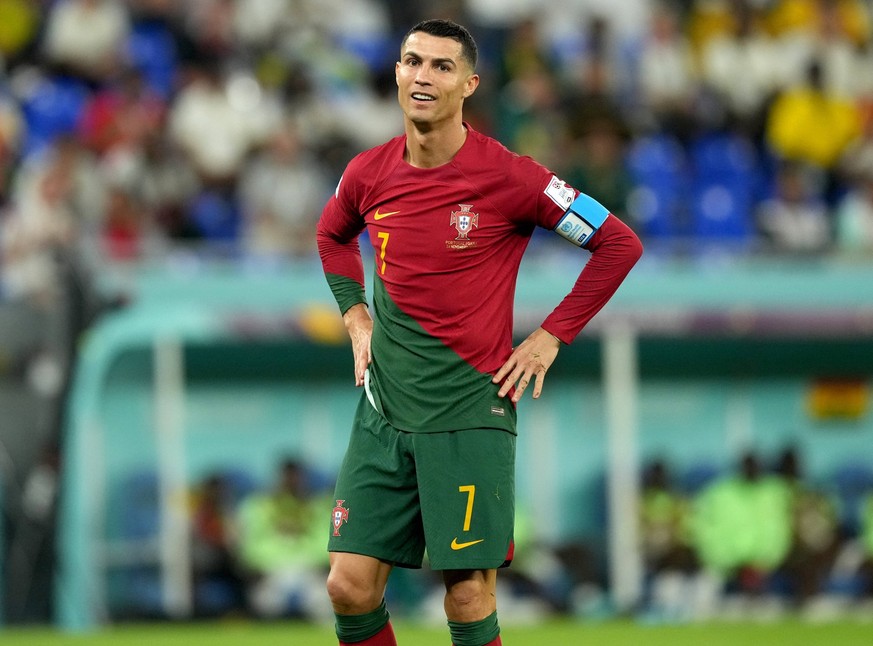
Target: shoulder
{"x": 488, "y": 153}
{"x": 368, "y": 168}
{"x": 387, "y": 154}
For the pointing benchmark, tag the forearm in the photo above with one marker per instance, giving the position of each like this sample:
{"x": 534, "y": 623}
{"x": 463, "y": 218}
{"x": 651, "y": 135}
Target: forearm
{"x": 615, "y": 250}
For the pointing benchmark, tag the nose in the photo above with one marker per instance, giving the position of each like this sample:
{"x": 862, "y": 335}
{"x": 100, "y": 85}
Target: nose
{"x": 422, "y": 75}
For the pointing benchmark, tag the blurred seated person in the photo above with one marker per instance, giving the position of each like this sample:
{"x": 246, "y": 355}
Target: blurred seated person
{"x": 815, "y": 539}
{"x": 742, "y": 527}
{"x": 282, "y": 547}
{"x": 218, "y": 584}
{"x": 807, "y": 123}
{"x": 664, "y": 523}
{"x": 679, "y": 588}
{"x": 866, "y": 537}
{"x": 796, "y": 219}
{"x": 854, "y": 215}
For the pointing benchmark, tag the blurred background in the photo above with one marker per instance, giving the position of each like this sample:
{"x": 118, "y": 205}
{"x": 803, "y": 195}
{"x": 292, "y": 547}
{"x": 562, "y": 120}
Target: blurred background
{"x": 175, "y": 384}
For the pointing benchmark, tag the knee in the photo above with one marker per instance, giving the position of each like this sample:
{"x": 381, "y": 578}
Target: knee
{"x": 351, "y": 595}
{"x": 469, "y": 600}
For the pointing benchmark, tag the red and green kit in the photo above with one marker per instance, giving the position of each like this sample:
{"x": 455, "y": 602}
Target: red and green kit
{"x": 447, "y": 243}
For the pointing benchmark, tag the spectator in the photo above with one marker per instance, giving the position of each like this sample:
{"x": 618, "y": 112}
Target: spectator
{"x": 283, "y": 189}
{"x": 666, "y": 77}
{"x": 796, "y": 218}
{"x": 744, "y": 67}
{"x": 86, "y": 37}
{"x": 11, "y": 133}
{"x": 18, "y": 29}
{"x": 806, "y": 123}
{"x": 866, "y": 569}
{"x": 216, "y": 123}
{"x": 163, "y": 180}
{"x": 281, "y": 547}
{"x": 854, "y": 216}
{"x": 121, "y": 115}
{"x": 679, "y": 589}
{"x": 596, "y": 161}
{"x": 125, "y": 226}
{"x": 213, "y": 554}
{"x": 664, "y": 523}
{"x": 58, "y": 199}
{"x": 815, "y": 534}
{"x": 741, "y": 527}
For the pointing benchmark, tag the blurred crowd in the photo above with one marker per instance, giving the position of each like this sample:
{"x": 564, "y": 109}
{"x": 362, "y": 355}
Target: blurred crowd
{"x": 130, "y": 127}
{"x": 754, "y": 540}
{"x": 759, "y": 541}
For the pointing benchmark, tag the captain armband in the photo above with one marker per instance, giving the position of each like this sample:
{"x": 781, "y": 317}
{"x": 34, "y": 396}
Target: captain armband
{"x": 584, "y": 217}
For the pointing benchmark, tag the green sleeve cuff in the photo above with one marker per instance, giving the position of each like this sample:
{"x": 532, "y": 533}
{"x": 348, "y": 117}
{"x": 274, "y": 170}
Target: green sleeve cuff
{"x": 346, "y": 291}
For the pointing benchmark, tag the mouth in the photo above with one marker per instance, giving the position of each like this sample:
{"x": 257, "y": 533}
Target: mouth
{"x": 423, "y": 97}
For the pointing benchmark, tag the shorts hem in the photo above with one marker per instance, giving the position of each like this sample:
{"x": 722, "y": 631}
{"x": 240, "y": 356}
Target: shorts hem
{"x": 376, "y": 553}
{"x": 473, "y": 565}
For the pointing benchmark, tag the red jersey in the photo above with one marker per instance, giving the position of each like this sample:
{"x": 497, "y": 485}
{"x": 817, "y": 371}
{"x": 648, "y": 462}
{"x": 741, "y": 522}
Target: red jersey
{"x": 448, "y": 242}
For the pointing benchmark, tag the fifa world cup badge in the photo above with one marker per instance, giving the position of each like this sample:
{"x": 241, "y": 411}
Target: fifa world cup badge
{"x": 340, "y": 516}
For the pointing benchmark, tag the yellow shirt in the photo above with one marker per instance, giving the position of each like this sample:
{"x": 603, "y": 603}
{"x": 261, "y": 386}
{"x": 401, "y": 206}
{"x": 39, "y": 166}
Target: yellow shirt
{"x": 810, "y": 126}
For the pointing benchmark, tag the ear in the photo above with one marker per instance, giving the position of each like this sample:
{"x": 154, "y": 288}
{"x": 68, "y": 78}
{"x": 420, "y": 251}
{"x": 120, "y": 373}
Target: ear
{"x": 471, "y": 84}
{"x": 397, "y": 73}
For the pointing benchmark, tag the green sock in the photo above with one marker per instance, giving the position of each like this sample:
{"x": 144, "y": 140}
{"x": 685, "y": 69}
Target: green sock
{"x": 476, "y": 633}
{"x": 357, "y": 628}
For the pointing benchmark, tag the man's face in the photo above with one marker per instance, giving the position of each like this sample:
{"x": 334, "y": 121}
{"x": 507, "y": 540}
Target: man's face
{"x": 432, "y": 79}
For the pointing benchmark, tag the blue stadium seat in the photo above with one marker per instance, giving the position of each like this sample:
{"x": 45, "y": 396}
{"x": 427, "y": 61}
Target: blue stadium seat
{"x": 52, "y": 108}
{"x": 658, "y": 168}
{"x": 697, "y": 476}
{"x": 151, "y": 49}
{"x": 139, "y": 505}
{"x": 216, "y": 216}
{"x": 852, "y": 481}
{"x": 725, "y": 183}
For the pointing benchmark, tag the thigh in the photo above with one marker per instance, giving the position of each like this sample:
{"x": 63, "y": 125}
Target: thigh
{"x": 466, "y": 483}
{"x": 377, "y": 512}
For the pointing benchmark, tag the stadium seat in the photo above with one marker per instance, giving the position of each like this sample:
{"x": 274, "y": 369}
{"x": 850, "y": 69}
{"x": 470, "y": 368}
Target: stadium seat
{"x": 151, "y": 49}
{"x": 658, "y": 168}
{"x": 852, "y": 481}
{"x": 138, "y": 505}
{"x": 724, "y": 188}
{"x": 697, "y": 476}
{"x": 215, "y": 216}
{"x": 52, "y": 108}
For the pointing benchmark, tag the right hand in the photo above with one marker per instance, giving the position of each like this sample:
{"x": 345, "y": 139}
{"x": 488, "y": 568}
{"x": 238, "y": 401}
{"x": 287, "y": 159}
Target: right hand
{"x": 359, "y": 325}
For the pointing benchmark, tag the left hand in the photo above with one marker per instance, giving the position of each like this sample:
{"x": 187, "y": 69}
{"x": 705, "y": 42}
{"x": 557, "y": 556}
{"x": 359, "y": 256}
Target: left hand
{"x": 532, "y": 358}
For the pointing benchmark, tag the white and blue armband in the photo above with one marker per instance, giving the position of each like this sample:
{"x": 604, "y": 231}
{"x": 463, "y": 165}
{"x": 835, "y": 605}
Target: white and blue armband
{"x": 582, "y": 220}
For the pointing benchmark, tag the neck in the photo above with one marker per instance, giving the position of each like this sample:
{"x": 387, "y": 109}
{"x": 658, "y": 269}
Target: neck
{"x": 429, "y": 147}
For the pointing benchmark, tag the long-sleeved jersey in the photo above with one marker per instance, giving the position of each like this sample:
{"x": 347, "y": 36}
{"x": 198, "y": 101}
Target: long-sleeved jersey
{"x": 448, "y": 242}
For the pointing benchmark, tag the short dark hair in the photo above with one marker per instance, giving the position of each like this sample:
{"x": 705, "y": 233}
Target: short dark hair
{"x": 448, "y": 29}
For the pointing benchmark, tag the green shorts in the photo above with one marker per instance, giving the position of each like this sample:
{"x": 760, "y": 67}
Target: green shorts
{"x": 451, "y": 492}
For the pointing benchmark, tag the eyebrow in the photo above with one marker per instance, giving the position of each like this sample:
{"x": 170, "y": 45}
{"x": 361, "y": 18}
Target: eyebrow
{"x": 411, "y": 53}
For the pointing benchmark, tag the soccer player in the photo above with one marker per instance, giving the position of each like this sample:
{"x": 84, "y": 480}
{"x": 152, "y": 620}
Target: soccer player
{"x": 431, "y": 457}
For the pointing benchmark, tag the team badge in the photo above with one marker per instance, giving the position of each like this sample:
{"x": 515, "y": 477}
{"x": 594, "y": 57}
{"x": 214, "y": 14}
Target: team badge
{"x": 464, "y": 221}
{"x": 340, "y": 516}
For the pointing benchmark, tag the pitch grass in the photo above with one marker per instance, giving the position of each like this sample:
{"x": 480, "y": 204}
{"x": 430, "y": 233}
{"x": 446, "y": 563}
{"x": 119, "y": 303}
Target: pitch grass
{"x": 551, "y": 633}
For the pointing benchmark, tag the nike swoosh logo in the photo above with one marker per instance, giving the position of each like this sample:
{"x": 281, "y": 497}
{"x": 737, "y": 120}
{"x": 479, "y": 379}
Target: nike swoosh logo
{"x": 379, "y": 216}
{"x": 459, "y": 546}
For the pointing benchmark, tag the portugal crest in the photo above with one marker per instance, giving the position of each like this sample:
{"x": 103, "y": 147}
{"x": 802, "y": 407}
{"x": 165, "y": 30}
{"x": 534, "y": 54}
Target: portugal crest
{"x": 464, "y": 221}
{"x": 340, "y": 516}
